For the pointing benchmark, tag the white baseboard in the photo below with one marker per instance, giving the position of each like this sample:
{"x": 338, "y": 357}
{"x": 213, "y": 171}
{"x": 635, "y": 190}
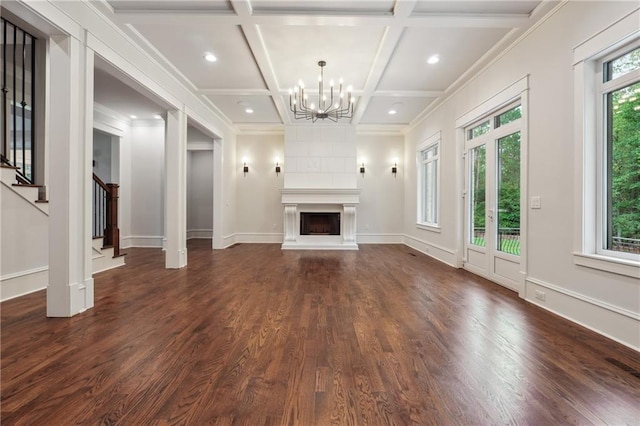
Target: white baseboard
{"x": 258, "y": 238}
{"x": 228, "y": 241}
{"x": 143, "y": 241}
{"x": 444, "y": 255}
{"x": 23, "y": 283}
{"x": 613, "y": 322}
{"x": 199, "y": 234}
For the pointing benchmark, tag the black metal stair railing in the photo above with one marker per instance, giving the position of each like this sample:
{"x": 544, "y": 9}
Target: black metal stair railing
{"x": 18, "y": 95}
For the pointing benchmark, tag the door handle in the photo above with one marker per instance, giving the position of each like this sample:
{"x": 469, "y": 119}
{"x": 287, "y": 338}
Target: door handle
{"x": 490, "y": 214}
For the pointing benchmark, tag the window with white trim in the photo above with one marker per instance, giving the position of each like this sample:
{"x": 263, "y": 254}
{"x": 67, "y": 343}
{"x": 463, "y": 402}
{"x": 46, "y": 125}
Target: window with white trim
{"x": 428, "y": 159}
{"x": 618, "y": 171}
{"x": 606, "y": 80}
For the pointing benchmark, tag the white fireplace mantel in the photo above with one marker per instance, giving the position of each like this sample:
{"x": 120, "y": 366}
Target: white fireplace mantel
{"x": 320, "y": 196}
{"x": 296, "y": 200}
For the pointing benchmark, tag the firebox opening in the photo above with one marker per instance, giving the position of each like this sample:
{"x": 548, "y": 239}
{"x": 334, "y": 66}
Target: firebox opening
{"x": 319, "y": 223}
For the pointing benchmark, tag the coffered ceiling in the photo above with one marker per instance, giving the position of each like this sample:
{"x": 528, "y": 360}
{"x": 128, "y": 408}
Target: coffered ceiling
{"x": 380, "y": 47}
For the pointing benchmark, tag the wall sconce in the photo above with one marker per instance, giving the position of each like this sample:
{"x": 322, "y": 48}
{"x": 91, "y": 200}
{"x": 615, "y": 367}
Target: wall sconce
{"x": 245, "y": 167}
{"x": 277, "y": 166}
{"x": 394, "y": 168}
{"x": 362, "y": 169}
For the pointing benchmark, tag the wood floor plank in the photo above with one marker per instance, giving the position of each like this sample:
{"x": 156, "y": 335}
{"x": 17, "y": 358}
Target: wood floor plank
{"x": 257, "y": 335}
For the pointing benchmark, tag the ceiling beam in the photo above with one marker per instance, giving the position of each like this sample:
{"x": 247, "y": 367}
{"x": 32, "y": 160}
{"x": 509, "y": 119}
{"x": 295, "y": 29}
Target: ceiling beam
{"x": 472, "y": 20}
{"x": 259, "y": 50}
{"x": 390, "y": 40}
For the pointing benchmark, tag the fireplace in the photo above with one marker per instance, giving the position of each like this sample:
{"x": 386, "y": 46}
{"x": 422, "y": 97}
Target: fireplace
{"x": 320, "y": 219}
{"x": 319, "y": 223}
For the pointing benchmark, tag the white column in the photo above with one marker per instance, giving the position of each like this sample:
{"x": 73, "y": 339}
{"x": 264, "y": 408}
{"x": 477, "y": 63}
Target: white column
{"x": 176, "y": 189}
{"x": 349, "y": 224}
{"x": 290, "y": 228}
{"x": 217, "y": 240}
{"x": 70, "y": 130}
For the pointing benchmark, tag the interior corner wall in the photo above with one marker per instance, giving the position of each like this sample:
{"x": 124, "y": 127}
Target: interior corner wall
{"x": 380, "y": 212}
{"x": 259, "y": 215}
{"x": 146, "y": 185}
{"x": 602, "y": 301}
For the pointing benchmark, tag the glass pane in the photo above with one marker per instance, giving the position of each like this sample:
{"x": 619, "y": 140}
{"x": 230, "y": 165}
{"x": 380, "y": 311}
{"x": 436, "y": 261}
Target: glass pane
{"x": 509, "y": 116}
{"x": 479, "y": 130}
{"x": 430, "y": 153}
{"x": 622, "y": 65}
{"x": 430, "y": 195}
{"x": 508, "y": 238}
{"x": 623, "y": 186}
{"x": 478, "y": 194}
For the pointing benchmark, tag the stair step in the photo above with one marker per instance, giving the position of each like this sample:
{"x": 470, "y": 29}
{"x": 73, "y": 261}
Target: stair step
{"x": 28, "y": 185}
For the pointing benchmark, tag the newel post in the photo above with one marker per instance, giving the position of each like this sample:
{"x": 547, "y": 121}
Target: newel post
{"x": 111, "y": 231}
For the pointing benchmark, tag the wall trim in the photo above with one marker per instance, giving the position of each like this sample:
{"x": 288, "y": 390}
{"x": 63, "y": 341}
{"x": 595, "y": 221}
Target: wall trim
{"x": 143, "y": 241}
{"x": 444, "y": 255}
{"x": 24, "y": 273}
{"x": 228, "y": 241}
{"x": 624, "y": 323}
{"x": 21, "y": 283}
{"x": 586, "y": 299}
{"x": 199, "y": 234}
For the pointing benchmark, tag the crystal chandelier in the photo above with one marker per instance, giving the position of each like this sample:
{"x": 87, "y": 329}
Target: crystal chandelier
{"x": 327, "y": 106}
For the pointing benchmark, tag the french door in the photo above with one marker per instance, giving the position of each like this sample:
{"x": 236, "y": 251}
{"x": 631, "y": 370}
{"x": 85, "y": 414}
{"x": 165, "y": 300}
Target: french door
{"x": 493, "y": 197}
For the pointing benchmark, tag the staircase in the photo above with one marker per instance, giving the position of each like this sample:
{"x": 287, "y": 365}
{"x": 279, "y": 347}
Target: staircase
{"x": 25, "y": 224}
{"x": 104, "y": 257}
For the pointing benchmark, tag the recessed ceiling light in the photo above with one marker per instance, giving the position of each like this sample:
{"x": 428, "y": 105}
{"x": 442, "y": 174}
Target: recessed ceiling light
{"x": 433, "y": 59}
{"x": 248, "y": 110}
{"x": 133, "y": 117}
{"x": 210, "y": 57}
{"x": 392, "y": 112}
{"x": 157, "y": 117}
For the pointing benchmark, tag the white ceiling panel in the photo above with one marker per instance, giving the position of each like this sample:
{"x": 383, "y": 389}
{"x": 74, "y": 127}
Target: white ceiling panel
{"x": 184, "y": 46}
{"x": 477, "y": 6}
{"x": 192, "y": 5}
{"x": 264, "y": 47}
{"x": 406, "y": 109}
{"x": 369, "y": 7}
{"x": 458, "y": 49}
{"x": 234, "y": 107}
{"x": 296, "y": 50}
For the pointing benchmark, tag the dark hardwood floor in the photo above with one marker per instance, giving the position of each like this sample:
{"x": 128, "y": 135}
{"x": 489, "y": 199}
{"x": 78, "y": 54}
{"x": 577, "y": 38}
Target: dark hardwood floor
{"x": 255, "y": 335}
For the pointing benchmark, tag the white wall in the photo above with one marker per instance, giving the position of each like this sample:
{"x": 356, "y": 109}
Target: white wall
{"x": 259, "y": 208}
{"x": 380, "y": 212}
{"x": 320, "y": 156}
{"x": 102, "y": 156}
{"x": 200, "y": 194}
{"x": 146, "y": 184}
{"x": 24, "y": 259}
{"x": 603, "y": 301}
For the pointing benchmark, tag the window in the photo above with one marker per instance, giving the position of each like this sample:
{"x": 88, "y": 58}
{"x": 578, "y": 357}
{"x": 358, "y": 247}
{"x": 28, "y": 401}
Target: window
{"x": 429, "y": 181}
{"x": 619, "y": 171}
{"x": 606, "y": 82}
